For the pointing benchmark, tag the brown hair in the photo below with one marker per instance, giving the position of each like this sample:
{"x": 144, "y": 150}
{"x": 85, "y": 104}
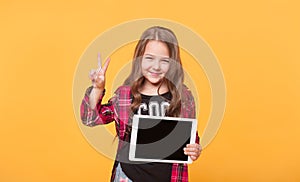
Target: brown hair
{"x": 174, "y": 77}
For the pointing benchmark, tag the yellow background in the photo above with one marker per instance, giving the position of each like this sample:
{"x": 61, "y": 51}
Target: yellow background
{"x": 256, "y": 42}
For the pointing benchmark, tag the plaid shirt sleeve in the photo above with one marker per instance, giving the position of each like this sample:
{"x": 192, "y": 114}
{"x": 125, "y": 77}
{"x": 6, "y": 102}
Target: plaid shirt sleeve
{"x": 121, "y": 103}
{"x": 101, "y": 114}
{"x": 180, "y": 171}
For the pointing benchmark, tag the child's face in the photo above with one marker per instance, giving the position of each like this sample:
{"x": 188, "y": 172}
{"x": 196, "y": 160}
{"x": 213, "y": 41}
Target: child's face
{"x": 155, "y": 62}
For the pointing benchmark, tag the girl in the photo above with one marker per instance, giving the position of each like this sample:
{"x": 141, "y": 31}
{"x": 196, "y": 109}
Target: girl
{"x": 156, "y": 77}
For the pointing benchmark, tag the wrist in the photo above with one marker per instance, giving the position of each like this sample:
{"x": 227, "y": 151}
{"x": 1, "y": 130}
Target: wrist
{"x": 98, "y": 88}
{"x": 100, "y": 91}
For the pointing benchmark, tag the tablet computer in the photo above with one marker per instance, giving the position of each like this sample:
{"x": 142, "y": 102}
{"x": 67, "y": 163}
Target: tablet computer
{"x": 161, "y": 139}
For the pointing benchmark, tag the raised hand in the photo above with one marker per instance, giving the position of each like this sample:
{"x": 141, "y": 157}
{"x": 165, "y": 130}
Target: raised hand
{"x": 98, "y": 80}
{"x": 98, "y": 76}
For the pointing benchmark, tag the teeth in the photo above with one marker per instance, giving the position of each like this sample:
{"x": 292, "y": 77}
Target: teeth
{"x": 154, "y": 73}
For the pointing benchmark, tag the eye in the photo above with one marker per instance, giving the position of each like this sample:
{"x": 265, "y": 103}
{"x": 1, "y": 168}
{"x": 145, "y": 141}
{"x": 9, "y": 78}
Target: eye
{"x": 165, "y": 60}
{"x": 148, "y": 58}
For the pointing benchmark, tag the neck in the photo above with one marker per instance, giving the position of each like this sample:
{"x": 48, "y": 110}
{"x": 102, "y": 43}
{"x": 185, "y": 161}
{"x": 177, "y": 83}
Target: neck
{"x": 150, "y": 89}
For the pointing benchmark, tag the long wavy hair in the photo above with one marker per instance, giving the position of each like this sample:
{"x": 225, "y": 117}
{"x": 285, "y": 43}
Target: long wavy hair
{"x": 174, "y": 76}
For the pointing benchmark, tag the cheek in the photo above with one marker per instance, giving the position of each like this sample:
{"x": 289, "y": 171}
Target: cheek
{"x": 165, "y": 67}
{"x": 145, "y": 65}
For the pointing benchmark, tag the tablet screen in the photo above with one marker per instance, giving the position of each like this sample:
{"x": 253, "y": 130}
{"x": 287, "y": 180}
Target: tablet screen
{"x": 161, "y": 139}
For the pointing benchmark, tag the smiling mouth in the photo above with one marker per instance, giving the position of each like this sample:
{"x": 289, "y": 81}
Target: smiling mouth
{"x": 154, "y": 74}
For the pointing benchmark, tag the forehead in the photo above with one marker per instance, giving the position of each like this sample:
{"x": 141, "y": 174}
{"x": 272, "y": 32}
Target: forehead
{"x": 157, "y": 48}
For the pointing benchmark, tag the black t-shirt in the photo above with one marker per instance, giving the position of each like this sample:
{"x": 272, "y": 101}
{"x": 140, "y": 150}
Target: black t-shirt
{"x": 149, "y": 172}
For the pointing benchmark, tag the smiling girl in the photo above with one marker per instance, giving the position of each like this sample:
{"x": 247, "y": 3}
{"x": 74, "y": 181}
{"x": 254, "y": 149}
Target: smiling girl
{"x": 156, "y": 80}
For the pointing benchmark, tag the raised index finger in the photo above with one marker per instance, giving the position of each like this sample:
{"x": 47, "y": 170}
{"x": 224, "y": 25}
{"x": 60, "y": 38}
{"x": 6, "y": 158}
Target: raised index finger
{"x": 99, "y": 60}
{"x": 105, "y": 66}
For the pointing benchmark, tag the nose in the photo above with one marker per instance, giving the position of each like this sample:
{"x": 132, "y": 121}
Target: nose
{"x": 156, "y": 64}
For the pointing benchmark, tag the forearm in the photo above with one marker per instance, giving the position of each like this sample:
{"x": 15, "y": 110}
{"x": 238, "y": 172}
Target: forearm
{"x": 97, "y": 113}
{"x": 95, "y": 96}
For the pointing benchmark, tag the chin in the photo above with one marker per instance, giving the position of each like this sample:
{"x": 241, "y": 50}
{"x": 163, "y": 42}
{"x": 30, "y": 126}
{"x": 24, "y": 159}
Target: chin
{"x": 155, "y": 81}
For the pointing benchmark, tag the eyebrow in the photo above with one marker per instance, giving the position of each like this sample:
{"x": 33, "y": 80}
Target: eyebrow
{"x": 155, "y": 56}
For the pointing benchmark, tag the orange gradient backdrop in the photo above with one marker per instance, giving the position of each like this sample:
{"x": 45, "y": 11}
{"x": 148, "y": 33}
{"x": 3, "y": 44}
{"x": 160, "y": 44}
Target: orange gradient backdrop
{"x": 256, "y": 42}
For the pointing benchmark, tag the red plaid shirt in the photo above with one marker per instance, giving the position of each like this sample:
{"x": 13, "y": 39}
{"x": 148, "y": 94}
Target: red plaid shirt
{"x": 118, "y": 109}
